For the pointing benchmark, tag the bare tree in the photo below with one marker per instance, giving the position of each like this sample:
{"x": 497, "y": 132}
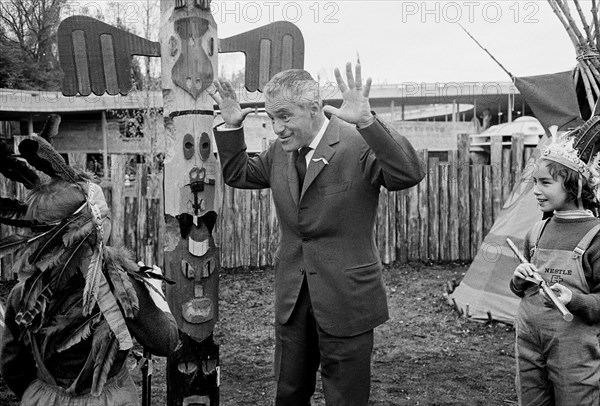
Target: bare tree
{"x": 31, "y": 24}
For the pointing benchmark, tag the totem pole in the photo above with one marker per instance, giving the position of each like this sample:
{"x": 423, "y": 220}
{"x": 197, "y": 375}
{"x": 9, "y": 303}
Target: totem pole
{"x": 96, "y": 57}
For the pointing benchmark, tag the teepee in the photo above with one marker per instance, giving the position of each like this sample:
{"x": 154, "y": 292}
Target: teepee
{"x": 483, "y": 294}
{"x": 586, "y": 40}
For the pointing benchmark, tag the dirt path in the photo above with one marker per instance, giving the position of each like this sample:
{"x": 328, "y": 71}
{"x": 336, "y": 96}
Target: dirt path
{"x": 424, "y": 355}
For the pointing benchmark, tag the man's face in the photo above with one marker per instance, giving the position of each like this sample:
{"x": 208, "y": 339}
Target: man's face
{"x": 292, "y": 122}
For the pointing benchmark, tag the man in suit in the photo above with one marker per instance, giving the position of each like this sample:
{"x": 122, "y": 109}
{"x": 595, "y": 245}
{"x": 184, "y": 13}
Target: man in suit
{"x": 325, "y": 176}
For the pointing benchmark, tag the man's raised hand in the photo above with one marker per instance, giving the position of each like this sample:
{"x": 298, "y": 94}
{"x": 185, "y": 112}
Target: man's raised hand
{"x": 224, "y": 95}
{"x": 355, "y": 107}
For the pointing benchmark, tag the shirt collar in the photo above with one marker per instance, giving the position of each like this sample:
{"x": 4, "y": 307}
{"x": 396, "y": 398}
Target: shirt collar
{"x": 315, "y": 142}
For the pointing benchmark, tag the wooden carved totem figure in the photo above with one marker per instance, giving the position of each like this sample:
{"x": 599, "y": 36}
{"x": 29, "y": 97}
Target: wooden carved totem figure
{"x": 96, "y": 57}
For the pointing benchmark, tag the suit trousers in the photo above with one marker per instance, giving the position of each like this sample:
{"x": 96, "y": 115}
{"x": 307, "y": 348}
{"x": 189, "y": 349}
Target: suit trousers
{"x": 301, "y": 346}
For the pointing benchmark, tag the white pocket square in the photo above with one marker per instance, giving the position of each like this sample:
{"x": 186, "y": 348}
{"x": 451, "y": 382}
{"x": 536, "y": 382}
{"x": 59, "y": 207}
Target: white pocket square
{"x": 321, "y": 159}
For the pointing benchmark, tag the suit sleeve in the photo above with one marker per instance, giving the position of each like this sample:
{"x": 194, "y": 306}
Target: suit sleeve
{"x": 240, "y": 170}
{"x": 390, "y": 160}
{"x": 17, "y": 365}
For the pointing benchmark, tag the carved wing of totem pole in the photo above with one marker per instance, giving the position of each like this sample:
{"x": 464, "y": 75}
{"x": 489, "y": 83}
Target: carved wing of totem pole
{"x": 96, "y": 58}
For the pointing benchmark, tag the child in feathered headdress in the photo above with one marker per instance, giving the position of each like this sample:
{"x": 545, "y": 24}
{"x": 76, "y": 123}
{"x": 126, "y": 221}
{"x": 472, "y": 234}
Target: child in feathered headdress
{"x": 558, "y": 362}
{"x": 71, "y": 318}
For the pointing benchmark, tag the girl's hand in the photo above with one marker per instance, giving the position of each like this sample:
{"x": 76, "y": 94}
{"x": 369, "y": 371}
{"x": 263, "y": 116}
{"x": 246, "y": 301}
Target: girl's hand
{"x": 563, "y": 294}
{"x": 522, "y": 272}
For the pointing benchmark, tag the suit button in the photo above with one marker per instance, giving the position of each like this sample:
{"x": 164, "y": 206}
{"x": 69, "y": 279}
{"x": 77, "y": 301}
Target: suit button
{"x": 302, "y": 270}
{"x": 305, "y": 239}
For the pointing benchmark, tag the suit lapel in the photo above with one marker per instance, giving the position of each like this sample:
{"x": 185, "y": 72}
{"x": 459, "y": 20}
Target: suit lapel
{"x": 324, "y": 151}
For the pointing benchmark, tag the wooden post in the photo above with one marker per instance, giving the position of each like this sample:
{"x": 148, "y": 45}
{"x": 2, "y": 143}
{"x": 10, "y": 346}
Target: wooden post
{"x": 434, "y": 209}
{"x": 380, "y": 226}
{"x": 393, "y": 232}
{"x": 488, "y": 203}
{"x": 463, "y": 201}
{"x": 401, "y": 224}
{"x": 496, "y": 175}
{"x": 444, "y": 211}
{"x": 104, "y": 127}
{"x": 453, "y": 208}
{"x": 412, "y": 229}
{"x": 507, "y": 183}
{"x": 476, "y": 208}
{"x": 117, "y": 207}
{"x": 518, "y": 143}
{"x": 423, "y": 213}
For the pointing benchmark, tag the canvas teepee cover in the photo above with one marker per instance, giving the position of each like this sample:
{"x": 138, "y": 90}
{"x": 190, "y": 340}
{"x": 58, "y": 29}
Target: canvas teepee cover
{"x": 485, "y": 287}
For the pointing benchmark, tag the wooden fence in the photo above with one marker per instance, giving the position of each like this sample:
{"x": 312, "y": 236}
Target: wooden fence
{"x": 444, "y": 218}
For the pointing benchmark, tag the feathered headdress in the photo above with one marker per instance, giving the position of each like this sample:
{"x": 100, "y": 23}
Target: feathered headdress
{"x": 74, "y": 287}
{"x": 579, "y": 150}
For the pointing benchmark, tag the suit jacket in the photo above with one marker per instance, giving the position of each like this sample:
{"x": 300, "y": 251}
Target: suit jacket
{"x": 327, "y": 229}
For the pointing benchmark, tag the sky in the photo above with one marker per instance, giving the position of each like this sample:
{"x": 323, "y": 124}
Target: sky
{"x": 416, "y": 41}
{"x": 398, "y": 41}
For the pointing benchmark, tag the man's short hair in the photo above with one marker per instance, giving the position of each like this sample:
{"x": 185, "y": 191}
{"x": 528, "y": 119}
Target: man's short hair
{"x": 296, "y": 84}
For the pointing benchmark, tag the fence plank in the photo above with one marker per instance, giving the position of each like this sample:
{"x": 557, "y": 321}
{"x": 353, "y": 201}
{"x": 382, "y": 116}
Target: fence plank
{"x": 507, "y": 181}
{"x": 434, "y": 209}
{"x": 393, "y": 232}
{"x": 496, "y": 180}
{"x": 412, "y": 228}
{"x": 517, "y": 146}
{"x": 228, "y": 237}
{"x": 423, "y": 213}
{"x": 444, "y": 211}
{"x": 141, "y": 187}
{"x": 254, "y": 227}
{"x": 453, "y": 217}
{"x": 488, "y": 199}
{"x": 381, "y": 227}
{"x": 130, "y": 221}
{"x": 263, "y": 254}
{"x": 401, "y": 226}
{"x": 476, "y": 200}
{"x": 274, "y": 231}
{"x": 464, "y": 229}
{"x": 116, "y": 208}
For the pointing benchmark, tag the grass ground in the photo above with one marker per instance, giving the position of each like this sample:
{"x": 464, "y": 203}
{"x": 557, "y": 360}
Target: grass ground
{"x": 424, "y": 355}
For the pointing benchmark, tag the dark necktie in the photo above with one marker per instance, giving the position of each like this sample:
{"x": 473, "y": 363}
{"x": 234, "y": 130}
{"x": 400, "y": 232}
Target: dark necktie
{"x": 301, "y": 165}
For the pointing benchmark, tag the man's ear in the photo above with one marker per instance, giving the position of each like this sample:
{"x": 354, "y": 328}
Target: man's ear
{"x": 315, "y": 108}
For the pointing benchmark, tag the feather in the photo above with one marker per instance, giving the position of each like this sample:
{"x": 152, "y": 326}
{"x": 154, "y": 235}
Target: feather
{"x": 123, "y": 288}
{"x": 39, "y": 153}
{"x": 72, "y": 264}
{"x": 81, "y": 228}
{"x": 50, "y": 129}
{"x": 51, "y": 259}
{"x": 56, "y": 232}
{"x": 32, "y": 289}
{"x": 36, "y": 295}
{"x": 104, "y": 349}
{"x": 92, "y": 279}
{"x": 20, "y": 223}
{"x": 15, "y": 242}
{"x": 81, "y": 332}
{"x": 15, "y": 169}
{"x": 12, "y": 207}
{"x": 146, "y": 272}
{"x": 587, "y": 143}
{"x": 112, "y": 313}
{"x": 65, "y": 313}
